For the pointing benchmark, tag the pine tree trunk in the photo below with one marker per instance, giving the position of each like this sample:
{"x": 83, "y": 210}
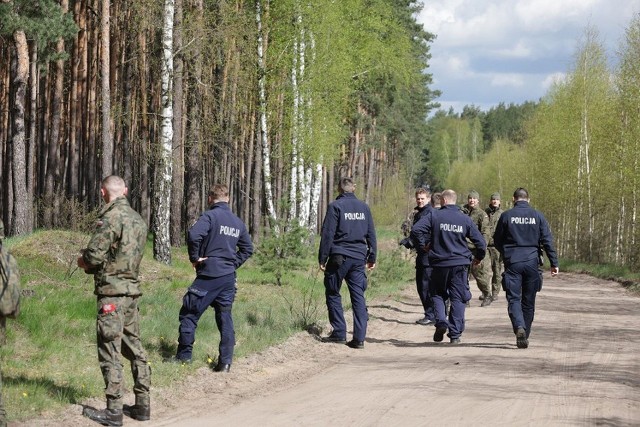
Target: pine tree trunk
{"x": 194, "y": 138}
{"x": 21, "y": 210}
{"x": 33, "y": 120}
{"x": 177, "y": 189}
{"x": 107, "y": 140}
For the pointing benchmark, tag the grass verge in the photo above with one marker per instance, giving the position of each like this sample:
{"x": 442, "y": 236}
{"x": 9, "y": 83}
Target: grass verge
{"x": 50, "y": 360}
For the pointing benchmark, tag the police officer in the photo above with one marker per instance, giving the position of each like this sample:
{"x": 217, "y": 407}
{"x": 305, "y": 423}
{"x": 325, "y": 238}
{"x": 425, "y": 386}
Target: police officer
{"x": 493, "y": 212}
{"x": 443, "y": 233}
{"x": 519, "y": 233}
{"x": 218, "y": 243}
{"x": 348, "y": 242}
{"x": 423, "y": 271}
{"x": 480, "y": 271}
{"x": 113, "y": 256}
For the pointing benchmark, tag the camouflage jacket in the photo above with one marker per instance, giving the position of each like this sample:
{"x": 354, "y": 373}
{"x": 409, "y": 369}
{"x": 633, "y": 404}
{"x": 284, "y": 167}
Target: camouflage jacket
{"x": 480, "y": 219}
{"x": 115, "y": 250}
{"x": 494, "y": 216}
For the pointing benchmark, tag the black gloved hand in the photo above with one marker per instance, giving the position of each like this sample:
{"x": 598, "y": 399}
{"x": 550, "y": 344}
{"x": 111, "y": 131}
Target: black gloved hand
{"x": 406, "y": 242}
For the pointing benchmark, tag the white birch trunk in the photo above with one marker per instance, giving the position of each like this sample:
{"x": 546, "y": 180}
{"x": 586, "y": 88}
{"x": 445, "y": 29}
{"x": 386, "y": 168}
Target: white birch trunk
{"x": 266, "y": 161}
{"x": 316, "y": 188}
{"x": 306, "y": 200}
{"x": 161, "y": 240}
{"x": 293, "y": 189}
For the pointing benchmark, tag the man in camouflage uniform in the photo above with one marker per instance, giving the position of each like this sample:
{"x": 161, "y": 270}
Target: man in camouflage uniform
{"x": 493, "y": 212}
{"x": 480, "y": 271}
{"x": 113, "y": 256}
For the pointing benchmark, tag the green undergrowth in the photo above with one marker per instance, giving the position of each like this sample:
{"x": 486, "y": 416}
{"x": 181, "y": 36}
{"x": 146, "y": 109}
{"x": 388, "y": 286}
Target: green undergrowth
{"x": 50, "y": 360}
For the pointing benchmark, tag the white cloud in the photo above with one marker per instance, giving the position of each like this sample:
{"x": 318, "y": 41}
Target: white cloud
{"x": 513, "y": 80}
{"x": 520, "y": 49}
{"x": 488, "y": 51}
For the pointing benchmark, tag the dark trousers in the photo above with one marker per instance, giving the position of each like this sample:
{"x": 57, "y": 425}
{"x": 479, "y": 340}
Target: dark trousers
{"x": 353, "y": 272}
{"x": 522, "y": 281}
{"x": 423, "y": 276}
{"x": 450, "y": 283}
{"x": 195, "y": 302}
{"x": 118, "y": 333}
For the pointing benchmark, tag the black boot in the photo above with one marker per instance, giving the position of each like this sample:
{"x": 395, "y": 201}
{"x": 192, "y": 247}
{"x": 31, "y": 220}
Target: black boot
{"x": 137, "y": 412}
{"x": 222, "y": 367}
{"x": 106, "y": 417}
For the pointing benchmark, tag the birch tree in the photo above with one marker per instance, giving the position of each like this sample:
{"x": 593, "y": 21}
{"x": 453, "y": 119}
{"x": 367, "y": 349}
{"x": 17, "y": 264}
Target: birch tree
{"x": 161, "y": 222}
{"x": 262, "y": 111}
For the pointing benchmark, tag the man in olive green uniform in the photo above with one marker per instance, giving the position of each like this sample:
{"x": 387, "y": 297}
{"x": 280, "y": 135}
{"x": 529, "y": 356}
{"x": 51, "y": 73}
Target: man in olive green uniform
{"x": 113, "y": 256}
{"x": 493, "y": 212}
{"x": 479, "y": 271}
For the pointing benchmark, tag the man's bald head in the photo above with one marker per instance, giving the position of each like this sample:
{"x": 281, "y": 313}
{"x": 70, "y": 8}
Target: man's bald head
{"x": 112, "y": 187}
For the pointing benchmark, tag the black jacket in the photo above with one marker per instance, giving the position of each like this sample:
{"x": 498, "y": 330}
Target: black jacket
{"x": 520, "y": 231}
{"x": 222, "y": 238}
{"x": 348, "y": 230}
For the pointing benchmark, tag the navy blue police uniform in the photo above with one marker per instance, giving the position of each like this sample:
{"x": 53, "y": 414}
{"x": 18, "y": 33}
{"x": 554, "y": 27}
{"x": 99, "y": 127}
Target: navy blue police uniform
{"x": 444, "y": 232}
{"x": 423, "y": 270}
{"x": 519, "y": 234}
{"x": 222, "y": 238}
{"x": 348, "y": 242}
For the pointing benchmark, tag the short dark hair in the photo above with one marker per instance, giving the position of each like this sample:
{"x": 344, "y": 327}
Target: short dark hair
{"x": 346, "y": 185}
{"x": 219, "y": 192}
{"x": 521, "y": 194}
{"x": 422, "y": 190}
{"x": 436, "y": 199}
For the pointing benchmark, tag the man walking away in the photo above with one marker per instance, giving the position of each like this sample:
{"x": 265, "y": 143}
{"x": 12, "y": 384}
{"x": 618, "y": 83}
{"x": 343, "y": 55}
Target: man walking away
{"x": 347, "y": 244}
{"x": 519, "y": 233}
{"x": 218, "y": 244}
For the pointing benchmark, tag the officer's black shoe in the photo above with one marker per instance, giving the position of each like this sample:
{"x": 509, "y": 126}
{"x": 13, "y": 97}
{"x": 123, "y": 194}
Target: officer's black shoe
{"x": 439, "y": 334}
{"x": 137, "y": 412}
{"x": 486, "y": 301}
{"x": 521, "y": 338}
{"x": 455, "y": 341}
{"x": 222, "y": 367}
{"x": 426, "y": 322}
{"x": 481, "y": 297}
{"x": 356, "y": 344}
{"x": 333, "y": 339}
{"x": 106, "y": 417}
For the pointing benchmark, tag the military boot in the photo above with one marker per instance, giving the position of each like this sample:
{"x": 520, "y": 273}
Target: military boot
{"x": 137, "y": 412}
{"x": 106, "y": 417}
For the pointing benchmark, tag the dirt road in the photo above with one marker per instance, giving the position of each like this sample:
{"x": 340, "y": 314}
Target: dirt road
{"x": 582, "y": 368}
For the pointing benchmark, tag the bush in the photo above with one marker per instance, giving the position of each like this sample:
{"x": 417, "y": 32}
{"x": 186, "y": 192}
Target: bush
{"x": 283, "y": 251}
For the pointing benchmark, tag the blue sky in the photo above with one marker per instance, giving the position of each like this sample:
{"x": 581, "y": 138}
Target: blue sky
{"x": 492, "y": 51}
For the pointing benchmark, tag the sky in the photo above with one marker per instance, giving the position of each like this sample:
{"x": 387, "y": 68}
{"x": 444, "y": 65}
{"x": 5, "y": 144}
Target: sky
{"x": 511, "y": 51}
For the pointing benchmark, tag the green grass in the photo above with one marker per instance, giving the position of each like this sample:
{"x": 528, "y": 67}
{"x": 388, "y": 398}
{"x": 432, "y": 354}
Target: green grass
{"x": 50, "y": 358}
{"x": 621, "y": 274}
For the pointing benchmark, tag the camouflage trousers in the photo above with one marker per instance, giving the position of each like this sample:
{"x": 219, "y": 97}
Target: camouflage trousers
{"x": 3, "y": 413}
{"x": 496, "y": 269}
{"x": 481, "y": 273}
{"x": 118, "y": 330}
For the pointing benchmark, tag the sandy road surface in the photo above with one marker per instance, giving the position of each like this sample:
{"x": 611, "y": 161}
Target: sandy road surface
{"x": 582, "y": 368}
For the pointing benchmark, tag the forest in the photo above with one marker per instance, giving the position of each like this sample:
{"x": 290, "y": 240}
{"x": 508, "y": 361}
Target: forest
{"x": 576, "y": 150}
{"x": 275, "y": 99}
